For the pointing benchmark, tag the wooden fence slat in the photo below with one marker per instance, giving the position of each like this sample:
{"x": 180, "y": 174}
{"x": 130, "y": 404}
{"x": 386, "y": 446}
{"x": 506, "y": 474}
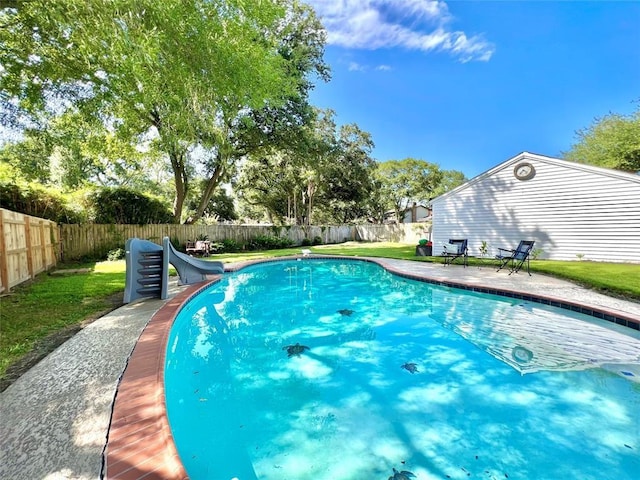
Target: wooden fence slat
{"x": 97, "y": 240}
{"x": 24, "y": 250}
{"x": 4, "y": 273}
{"x": 27, "y": 238}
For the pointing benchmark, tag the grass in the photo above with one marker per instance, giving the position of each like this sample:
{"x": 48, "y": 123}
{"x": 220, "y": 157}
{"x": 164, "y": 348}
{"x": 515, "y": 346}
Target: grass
{"x": 53, "y": 303}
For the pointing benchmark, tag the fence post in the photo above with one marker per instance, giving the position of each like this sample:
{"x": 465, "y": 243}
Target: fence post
{"x": 27, "y": 232}
{"x": 43, "y": 246}
{"x": 4, "y": 274}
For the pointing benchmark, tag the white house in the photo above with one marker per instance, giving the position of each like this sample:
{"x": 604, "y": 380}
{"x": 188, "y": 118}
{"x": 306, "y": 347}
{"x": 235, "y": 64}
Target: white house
{"x": 416, "y": 213}
{"x": 412, "y": 214}
{"x": 572, "y": 211}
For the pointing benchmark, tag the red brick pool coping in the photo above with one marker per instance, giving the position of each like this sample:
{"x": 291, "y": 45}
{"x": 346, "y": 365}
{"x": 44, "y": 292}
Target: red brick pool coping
{"x": 139, "y": 442}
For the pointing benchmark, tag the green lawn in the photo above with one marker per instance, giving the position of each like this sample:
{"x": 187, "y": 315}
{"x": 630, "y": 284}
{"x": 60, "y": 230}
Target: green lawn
{"x": 52, "y": 303}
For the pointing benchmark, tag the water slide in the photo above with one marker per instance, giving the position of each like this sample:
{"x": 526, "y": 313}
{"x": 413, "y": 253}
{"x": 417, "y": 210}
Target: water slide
{"x": 190, "y": 270}
{"x": 148, "y": 268}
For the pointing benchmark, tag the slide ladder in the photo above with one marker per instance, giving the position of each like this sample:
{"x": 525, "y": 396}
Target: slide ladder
{"x": 146, "y": 276}
{"x": 148, "y": 268}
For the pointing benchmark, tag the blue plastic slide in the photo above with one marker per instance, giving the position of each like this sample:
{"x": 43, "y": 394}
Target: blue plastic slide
{"x": 148, "y": 268}
{"x": 190, "y": 270}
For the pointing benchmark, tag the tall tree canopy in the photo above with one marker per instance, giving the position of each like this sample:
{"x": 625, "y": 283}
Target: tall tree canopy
{"x": 74, "y": 151}
{"x": 611, "y": 142}
{"x": 185, "y": 73}
{"x": 326, "y": 176}
{"x": 407, "y": 181}
{"x": 403, "y": 182}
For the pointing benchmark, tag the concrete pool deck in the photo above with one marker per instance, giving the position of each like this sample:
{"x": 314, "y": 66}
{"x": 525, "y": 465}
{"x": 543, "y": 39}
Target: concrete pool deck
{"x": 54, "y": 420}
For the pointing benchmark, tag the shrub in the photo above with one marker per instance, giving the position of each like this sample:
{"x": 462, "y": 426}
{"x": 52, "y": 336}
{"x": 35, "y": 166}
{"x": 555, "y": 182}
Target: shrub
{"x": 116, "y": 254}
{"x": 305, "y": 242}
{"x": 267, "y": 242}
{"x": 317, "y": 240}
{"x": 38, "y": 201}
{"x": 125, "y": 206}
{"x": 229, "y": 246}
{"x": 216, "y": 247}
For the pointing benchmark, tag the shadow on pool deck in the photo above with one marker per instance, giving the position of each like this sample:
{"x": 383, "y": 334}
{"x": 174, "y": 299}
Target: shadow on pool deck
{"x": 54, "y": 419}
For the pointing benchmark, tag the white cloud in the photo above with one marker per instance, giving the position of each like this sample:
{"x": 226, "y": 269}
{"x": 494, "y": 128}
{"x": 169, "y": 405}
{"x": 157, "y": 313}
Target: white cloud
{"x": 358, "y": 67}
{"x": 413, "y": 24}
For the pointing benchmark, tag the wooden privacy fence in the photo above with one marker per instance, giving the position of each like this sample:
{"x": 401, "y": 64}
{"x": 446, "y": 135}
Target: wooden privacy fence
{"x": 31, "y": 245}
{"x": 28, "y": 246}
{"x": 95, "y": 241}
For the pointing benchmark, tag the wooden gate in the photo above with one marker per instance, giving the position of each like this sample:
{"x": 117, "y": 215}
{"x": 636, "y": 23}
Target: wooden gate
{"x": 28, "y": 246}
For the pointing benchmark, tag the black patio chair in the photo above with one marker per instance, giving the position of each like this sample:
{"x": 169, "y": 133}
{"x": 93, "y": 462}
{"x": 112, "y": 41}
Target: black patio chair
{"x": 514, "y": 259}
{"x": 455, "y": 249}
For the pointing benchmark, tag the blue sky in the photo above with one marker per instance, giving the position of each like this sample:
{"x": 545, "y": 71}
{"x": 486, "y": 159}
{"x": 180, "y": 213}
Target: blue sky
{"x": 469, "y": 84}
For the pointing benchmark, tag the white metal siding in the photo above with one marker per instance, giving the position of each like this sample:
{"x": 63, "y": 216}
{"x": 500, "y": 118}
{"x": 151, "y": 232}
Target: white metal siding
{"x": 569, "y": 211}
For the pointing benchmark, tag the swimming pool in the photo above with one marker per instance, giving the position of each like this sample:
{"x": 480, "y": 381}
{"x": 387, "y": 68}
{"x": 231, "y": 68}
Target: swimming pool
{"x": 501, "y": 388}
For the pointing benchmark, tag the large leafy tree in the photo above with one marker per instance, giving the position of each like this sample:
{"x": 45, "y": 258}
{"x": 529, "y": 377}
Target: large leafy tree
{"x": 178, "y": 71}
{"x": 220, "y": 208}
{"x": 267, "y": 186}
{"x": 407, "y": 181}
{"x": 349, "y": 183}
{"x": 611, "y": 142}
{"x": 272, "y": 127}
{"x": 450, "y": 180}
{"x": 325, "y": 176}
{"x": 287, "y": 181}
{"x": 74, "y": 151}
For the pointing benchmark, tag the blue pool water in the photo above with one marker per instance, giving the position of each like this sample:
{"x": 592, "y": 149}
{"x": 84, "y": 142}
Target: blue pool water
{"x": 503, "y": 389}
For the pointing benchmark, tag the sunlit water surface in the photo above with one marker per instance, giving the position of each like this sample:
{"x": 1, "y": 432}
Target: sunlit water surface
{"x": 504, "y": 388}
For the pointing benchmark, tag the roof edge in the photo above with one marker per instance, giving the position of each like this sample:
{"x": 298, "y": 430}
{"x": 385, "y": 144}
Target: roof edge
{"x": 541, "y": 158}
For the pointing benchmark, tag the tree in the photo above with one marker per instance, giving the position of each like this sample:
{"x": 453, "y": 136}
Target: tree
{"x": 407, "y": 181}
{"x": 403, "y": 182}
{"x": 73, "y": 151}
{"x": 178, "y": 70}
{"x": 326, "y": 172}
{"x": 267, "y": 185}
{"x": 450, "y": 180}
{"x": 611, "y": 142}
{"x": 349, "y": 179}
{"x": 274, "y": 126}
{"x": 220, "y": 207}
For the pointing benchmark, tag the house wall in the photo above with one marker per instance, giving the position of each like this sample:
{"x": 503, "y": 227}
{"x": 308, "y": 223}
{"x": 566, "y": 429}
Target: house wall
{"x": 572, "y": 211}
{"x": 421, "y": 213}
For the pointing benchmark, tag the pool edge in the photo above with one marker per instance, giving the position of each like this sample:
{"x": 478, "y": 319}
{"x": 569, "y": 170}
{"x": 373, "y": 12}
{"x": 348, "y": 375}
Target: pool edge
{"x": 139, "y": 441}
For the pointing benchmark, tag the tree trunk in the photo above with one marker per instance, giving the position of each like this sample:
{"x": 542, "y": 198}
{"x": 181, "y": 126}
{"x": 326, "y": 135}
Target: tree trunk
{"x": 177, "y": 157}
{"x": 311, "y": 190}
{"x": 212, "y": 184}
{"x": 399, "y": 216}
